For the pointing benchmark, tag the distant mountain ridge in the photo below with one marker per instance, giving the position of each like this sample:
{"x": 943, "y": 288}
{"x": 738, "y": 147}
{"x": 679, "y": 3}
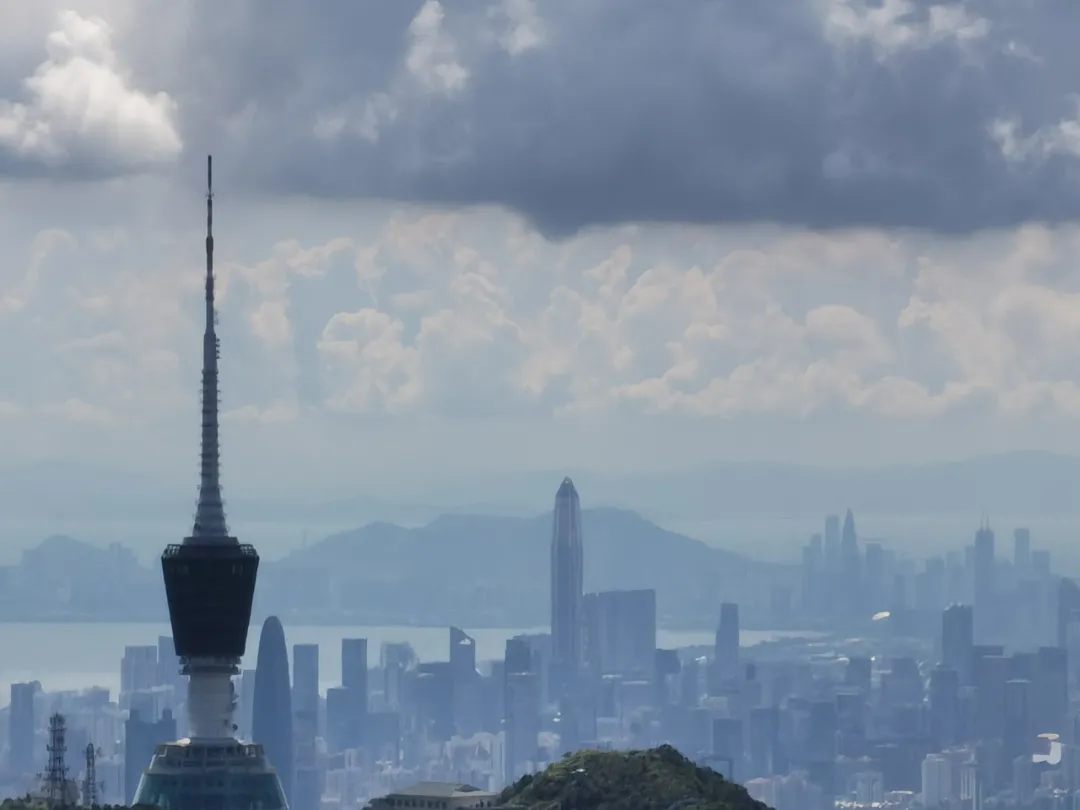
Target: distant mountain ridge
{"x": 473, "y": 570}
{"x": 497, "y": 568}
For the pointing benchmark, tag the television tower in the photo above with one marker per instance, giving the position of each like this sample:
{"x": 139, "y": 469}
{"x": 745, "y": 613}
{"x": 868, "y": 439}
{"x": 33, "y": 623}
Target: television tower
{"x": 209, "y": 584}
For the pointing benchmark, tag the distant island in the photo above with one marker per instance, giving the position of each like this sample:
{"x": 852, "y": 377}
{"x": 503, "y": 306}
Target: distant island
{"x": 657, "y": 779}
{"x": 472, "y": 570}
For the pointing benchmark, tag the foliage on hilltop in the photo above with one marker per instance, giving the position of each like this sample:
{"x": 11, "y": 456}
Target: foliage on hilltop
{"x": 30, "y": 803}
{"x": 627, "y": 780}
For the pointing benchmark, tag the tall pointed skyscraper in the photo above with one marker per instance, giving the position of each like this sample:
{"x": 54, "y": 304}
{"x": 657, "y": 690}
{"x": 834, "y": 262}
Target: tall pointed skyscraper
{"x": 209, "y": 584}
{"x": 272, "y": 724}
{"x": 567, "y": 569}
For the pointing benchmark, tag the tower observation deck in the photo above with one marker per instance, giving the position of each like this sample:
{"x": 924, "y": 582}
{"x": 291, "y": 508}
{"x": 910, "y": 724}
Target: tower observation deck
{"x": 209, "y": 585}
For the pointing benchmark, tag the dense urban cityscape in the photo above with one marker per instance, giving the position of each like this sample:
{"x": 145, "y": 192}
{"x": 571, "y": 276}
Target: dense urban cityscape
{"x": 939, "y": 684}
{"x": 973, "y": 711}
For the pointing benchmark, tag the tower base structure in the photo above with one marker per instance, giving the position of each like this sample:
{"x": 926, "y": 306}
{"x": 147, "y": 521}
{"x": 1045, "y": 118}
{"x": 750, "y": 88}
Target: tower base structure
{"x": 223, "y": 774}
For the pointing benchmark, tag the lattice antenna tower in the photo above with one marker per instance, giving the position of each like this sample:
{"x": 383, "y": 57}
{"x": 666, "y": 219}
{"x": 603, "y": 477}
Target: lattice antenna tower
{"x": 91, "y": 787}
{"x": 56, "y": 776}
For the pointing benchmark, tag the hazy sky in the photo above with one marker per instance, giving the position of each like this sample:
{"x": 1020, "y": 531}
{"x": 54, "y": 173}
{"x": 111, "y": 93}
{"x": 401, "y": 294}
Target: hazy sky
{"x": 504, "y": 235}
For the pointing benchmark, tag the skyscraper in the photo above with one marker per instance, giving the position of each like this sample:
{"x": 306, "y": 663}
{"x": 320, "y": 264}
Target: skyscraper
{"x": 986, "y": 606}
{"x": 21, "y": 727}
{"x": 305, "y": 706}
{"x": 851, "y": 566}
{"x": 957, "y": 640}
{"x": 726, "y": 651}
{"x": 567, "y": 568}
{"x": 209, "y": 585}
{"x": 354, "y": 682}
{"x": 271, "y": 723}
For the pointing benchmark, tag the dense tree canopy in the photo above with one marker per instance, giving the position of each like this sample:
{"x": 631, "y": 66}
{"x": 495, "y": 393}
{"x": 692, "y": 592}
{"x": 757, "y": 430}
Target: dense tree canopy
{"x": 627, "y": 780}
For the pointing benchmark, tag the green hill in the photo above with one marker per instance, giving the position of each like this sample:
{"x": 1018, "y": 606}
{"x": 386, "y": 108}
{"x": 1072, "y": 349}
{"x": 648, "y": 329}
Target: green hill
{"x": 627, "y": 780}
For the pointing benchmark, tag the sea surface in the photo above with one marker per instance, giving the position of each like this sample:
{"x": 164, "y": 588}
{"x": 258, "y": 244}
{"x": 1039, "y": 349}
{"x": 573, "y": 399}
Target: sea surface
{"x": 77, "y": 656}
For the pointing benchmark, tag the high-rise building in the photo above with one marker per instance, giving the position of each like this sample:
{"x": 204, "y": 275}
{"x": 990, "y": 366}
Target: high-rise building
{"x": 466, "y": 682}
{"x": 138, "y": 669}
{"x": 936, "y": 780}
{"x": 851, "y": 565}
{"x": 354, "y": 701}
{"x": 209, "y": 585}
{"x": 831, "y": 550}
{"x": 1068, "y": 609}
{"x": 1022, "y": 552}
{"x": 567, "y": 570}
{"x": 21, "y": 726}
{"x": 305, "y": 706}
{"x": 272, "y": 719}
{"x": 620, "y": 633}
{"x": 726, "y": 649}
{"x": 957, "y": 640}
{"x": 984, "y": 563}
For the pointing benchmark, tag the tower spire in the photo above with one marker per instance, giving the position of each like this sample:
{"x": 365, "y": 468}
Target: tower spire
{"x": 210, "y": 526}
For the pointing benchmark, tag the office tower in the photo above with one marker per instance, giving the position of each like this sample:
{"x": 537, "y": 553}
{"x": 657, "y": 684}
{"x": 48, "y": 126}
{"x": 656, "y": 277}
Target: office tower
{"x": 812, "y": 563}
{"x": 338, "y": 710}
{"x": 305, "y": 706}
{"x": 991, "y": 674}
{"x": 305, "y": 688}
{"x": 141, "y": 738}
{"x": 859, "y": 673}
{"x": 944, "y": 700}
{"x": 272, "y": 720}
{"x": 832, "y": 544}
{"x": 1019, "y": 737}
{"x": 1051, "y": 703}
{"x": 1022, "y": 552}
{"x": 168, "y": 665}
{"x": 851, "y": 565}
{"x": 936, "y": 780}
{"x": 465, "y": 682}
{"x": 1068, "y": 609}
{"x": 619, "y": 633}
{"x": 521, "y": 715}
{"x": 726, "y": 648}
{"x": 138, "y": 669}
{"x": 354, "y": 680}
{"x": 957, "y": 640}
{"x": 984, "y": 579}
{"x": 21, "y": 727}
{"x": 209, "y": 585}
{"x": 567, "y": 568}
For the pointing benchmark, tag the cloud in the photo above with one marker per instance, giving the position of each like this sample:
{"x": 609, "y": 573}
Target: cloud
{"x": 951, "y": 116}
{"x": 81, "y": 113}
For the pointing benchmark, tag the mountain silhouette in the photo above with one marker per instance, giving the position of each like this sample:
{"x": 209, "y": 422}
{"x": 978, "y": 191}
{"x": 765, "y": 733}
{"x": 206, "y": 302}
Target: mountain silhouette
{"x": 479, "y": 569}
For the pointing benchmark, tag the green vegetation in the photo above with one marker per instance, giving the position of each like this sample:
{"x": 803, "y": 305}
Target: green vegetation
{"x": 29, "y": 803}
{"x": 627, "y": 780}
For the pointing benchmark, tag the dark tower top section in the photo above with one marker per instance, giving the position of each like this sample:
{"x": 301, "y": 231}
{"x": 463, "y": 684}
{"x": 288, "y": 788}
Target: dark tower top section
{"x": 272, "y": 706}
{"x": 210, "y": 577}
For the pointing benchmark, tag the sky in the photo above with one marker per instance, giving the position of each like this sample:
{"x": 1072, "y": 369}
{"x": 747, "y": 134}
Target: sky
{"x": 472, "y": 238}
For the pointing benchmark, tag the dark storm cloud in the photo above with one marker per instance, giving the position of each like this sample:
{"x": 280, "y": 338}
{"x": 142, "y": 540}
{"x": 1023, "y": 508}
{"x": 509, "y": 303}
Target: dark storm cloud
{"x": 826, "y": 114}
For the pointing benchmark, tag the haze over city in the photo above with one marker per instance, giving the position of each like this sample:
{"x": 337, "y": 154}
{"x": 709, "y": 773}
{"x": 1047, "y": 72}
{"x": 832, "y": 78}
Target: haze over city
{"x": 526, "y": 378}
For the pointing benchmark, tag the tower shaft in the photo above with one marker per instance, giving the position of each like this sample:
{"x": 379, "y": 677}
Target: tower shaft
{"x": 210, "y": 514}
{"x": 210, "y": 577}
